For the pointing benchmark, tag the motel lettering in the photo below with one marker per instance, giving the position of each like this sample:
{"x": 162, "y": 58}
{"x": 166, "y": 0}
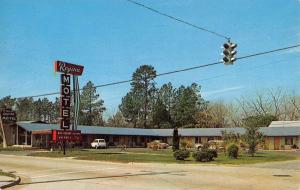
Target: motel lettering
{"x": 65, "y": 101}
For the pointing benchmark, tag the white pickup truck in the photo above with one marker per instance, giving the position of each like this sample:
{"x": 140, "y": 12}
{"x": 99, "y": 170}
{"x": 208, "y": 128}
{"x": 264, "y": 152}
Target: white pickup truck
{"x": 98, "y": 143}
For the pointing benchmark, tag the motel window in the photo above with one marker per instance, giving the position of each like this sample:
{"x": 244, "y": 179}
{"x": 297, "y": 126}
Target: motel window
{"x": 116, "y": 139}
{"x": 210, "y": 138}
{"x": 197, "y": 139}
{"x": 289, "y": 141}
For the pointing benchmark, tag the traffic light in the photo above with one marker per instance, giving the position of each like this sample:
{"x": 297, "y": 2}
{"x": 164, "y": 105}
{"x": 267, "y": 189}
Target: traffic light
{"x": 229, "y": 53}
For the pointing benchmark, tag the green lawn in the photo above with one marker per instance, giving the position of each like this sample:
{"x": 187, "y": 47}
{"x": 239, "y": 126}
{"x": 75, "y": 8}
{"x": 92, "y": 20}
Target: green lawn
{"x": 164, "y": 156}
{"x": 7, "y": 174}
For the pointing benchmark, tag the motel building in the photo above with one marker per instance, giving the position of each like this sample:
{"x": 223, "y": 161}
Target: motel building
{"x": 280, "y": 135}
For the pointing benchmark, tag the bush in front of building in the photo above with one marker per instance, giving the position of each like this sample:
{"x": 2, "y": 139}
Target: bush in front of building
{"x": 181, "y": 154}
{"x": 205, "y": 155}
{"x": 252, "y": 136}
{"x": 232, "y": 150}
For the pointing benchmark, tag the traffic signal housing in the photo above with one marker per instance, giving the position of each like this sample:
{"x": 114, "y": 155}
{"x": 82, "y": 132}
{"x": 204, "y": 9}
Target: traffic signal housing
{"x": 229, "y": 53}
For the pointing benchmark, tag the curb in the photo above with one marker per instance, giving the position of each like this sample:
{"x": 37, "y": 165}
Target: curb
{"x": 13, "y": 183}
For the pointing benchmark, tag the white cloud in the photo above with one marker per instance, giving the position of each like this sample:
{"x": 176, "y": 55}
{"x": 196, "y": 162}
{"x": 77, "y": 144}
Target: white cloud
{"x": 224, "y": 90}
{"x": 292, "y": 51}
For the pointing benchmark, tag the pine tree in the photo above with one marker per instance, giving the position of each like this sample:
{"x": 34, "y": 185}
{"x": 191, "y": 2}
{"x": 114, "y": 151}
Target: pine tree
{"x": 143, "y": 86}
{"x": 92, "y": 107}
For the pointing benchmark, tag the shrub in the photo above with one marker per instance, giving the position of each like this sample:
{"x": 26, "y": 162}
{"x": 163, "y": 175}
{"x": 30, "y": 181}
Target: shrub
{"x": 232, "y": 151}
{"x": 295, "y": 146}
{"x": 214, "y": 153}
{"x": 205, "y": 155}
{"x": 205, "y": 146}
{"x": 181, "y": 154}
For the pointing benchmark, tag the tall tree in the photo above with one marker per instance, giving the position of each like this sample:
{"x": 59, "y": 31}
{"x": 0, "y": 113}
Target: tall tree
{"x": 167, "y": 95}
{"x": 92, "y": 107}
{"x": 55, "y": 111}
{"x": 38, "y": 110}
{"x": 188, "y": 102}
{"x": 130, "y": 107}
{"x": 117, "y": 120}
{"x": 7, "y": 102}
{"x": 143, "y": 86}
{"x": 217, "y": 115}
{"x": 160, "y": 114}
{"x": 204, "y": 119}
{"x": 46, "y": 110}
{"x": 25, "y": 109}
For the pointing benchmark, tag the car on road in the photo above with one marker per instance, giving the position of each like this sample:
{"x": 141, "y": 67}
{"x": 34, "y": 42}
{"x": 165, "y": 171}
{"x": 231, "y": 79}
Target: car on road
{"x": 98, "y": 143}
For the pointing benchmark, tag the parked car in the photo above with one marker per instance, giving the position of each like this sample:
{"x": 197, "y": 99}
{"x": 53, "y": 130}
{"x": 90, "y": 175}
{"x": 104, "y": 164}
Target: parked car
{"x": 212, "y": 144}
{"x": 198, "y": 146}
{"x": 157, "y": 144}
{"x": 98, "y": 143}
{"x": 216, "y": 144}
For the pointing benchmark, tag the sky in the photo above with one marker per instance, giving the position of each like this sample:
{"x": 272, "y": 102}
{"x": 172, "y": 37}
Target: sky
{"x": 112, "y": 38}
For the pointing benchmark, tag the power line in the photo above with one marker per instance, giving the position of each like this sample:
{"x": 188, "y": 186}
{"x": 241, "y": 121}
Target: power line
{"x": 176, "y": 71}
{"x": 178, "y": 20}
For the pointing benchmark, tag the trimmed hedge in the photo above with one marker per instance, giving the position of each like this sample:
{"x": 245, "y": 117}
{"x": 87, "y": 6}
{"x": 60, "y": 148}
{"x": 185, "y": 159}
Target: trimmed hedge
{"x": 232, "y": 151}
{"x": 205, "y": 155}
{"x": 181, "y": 154}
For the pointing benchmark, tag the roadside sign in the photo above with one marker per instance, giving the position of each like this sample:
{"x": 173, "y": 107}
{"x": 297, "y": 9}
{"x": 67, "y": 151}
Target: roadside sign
{"x": 66, "y": 135}
{"x": 8, "y": 115}
{"x": 68, "y": 68}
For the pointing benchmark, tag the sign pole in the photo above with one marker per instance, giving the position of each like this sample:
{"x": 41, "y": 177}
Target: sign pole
{"x": 64, "y": 146}
{"x": 3, "y": 134}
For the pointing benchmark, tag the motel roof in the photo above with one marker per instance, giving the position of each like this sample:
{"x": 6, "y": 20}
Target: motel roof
{"x": 267, "y": 131}
{"x": 285, "y": 124}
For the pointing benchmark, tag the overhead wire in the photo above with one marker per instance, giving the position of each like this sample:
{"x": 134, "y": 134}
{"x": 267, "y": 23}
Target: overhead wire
{"x": 177, "y": 71}
{"x": 178, "y": 19}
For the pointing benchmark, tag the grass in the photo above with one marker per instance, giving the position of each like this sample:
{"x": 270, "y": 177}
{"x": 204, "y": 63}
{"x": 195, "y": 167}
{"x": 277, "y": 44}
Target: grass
{"x": 7, "y": 174}
{"x": 164, "y": 156}
{"x": 258, "y": 158}
{"x": 12, "y": 148}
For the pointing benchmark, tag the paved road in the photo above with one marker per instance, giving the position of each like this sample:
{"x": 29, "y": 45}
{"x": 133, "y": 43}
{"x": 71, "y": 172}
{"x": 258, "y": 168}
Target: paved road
{"x": 48, "y": 174}
{"x": 4, "y": 180}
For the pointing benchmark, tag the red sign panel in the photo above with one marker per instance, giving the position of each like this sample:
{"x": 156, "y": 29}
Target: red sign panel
{"x": 68, "y": 68}
{"x": 68, "y": 135}
{"x": 8, "y": 115}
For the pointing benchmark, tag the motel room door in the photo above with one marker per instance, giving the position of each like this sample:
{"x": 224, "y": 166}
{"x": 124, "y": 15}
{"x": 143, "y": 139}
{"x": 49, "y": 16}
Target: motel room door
{"x": 276, "y": 143}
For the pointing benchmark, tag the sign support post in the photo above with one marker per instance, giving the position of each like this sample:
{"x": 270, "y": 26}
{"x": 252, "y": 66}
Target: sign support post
{"x": 68, "y": 69}
{"x": 3, "y": 134}
{"x": 6, "y": 116}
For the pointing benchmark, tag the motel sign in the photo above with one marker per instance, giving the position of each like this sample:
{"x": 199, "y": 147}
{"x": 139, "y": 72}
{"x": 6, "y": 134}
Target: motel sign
{"x": 65, "y": 101}
{"x": 68, "y": 71}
